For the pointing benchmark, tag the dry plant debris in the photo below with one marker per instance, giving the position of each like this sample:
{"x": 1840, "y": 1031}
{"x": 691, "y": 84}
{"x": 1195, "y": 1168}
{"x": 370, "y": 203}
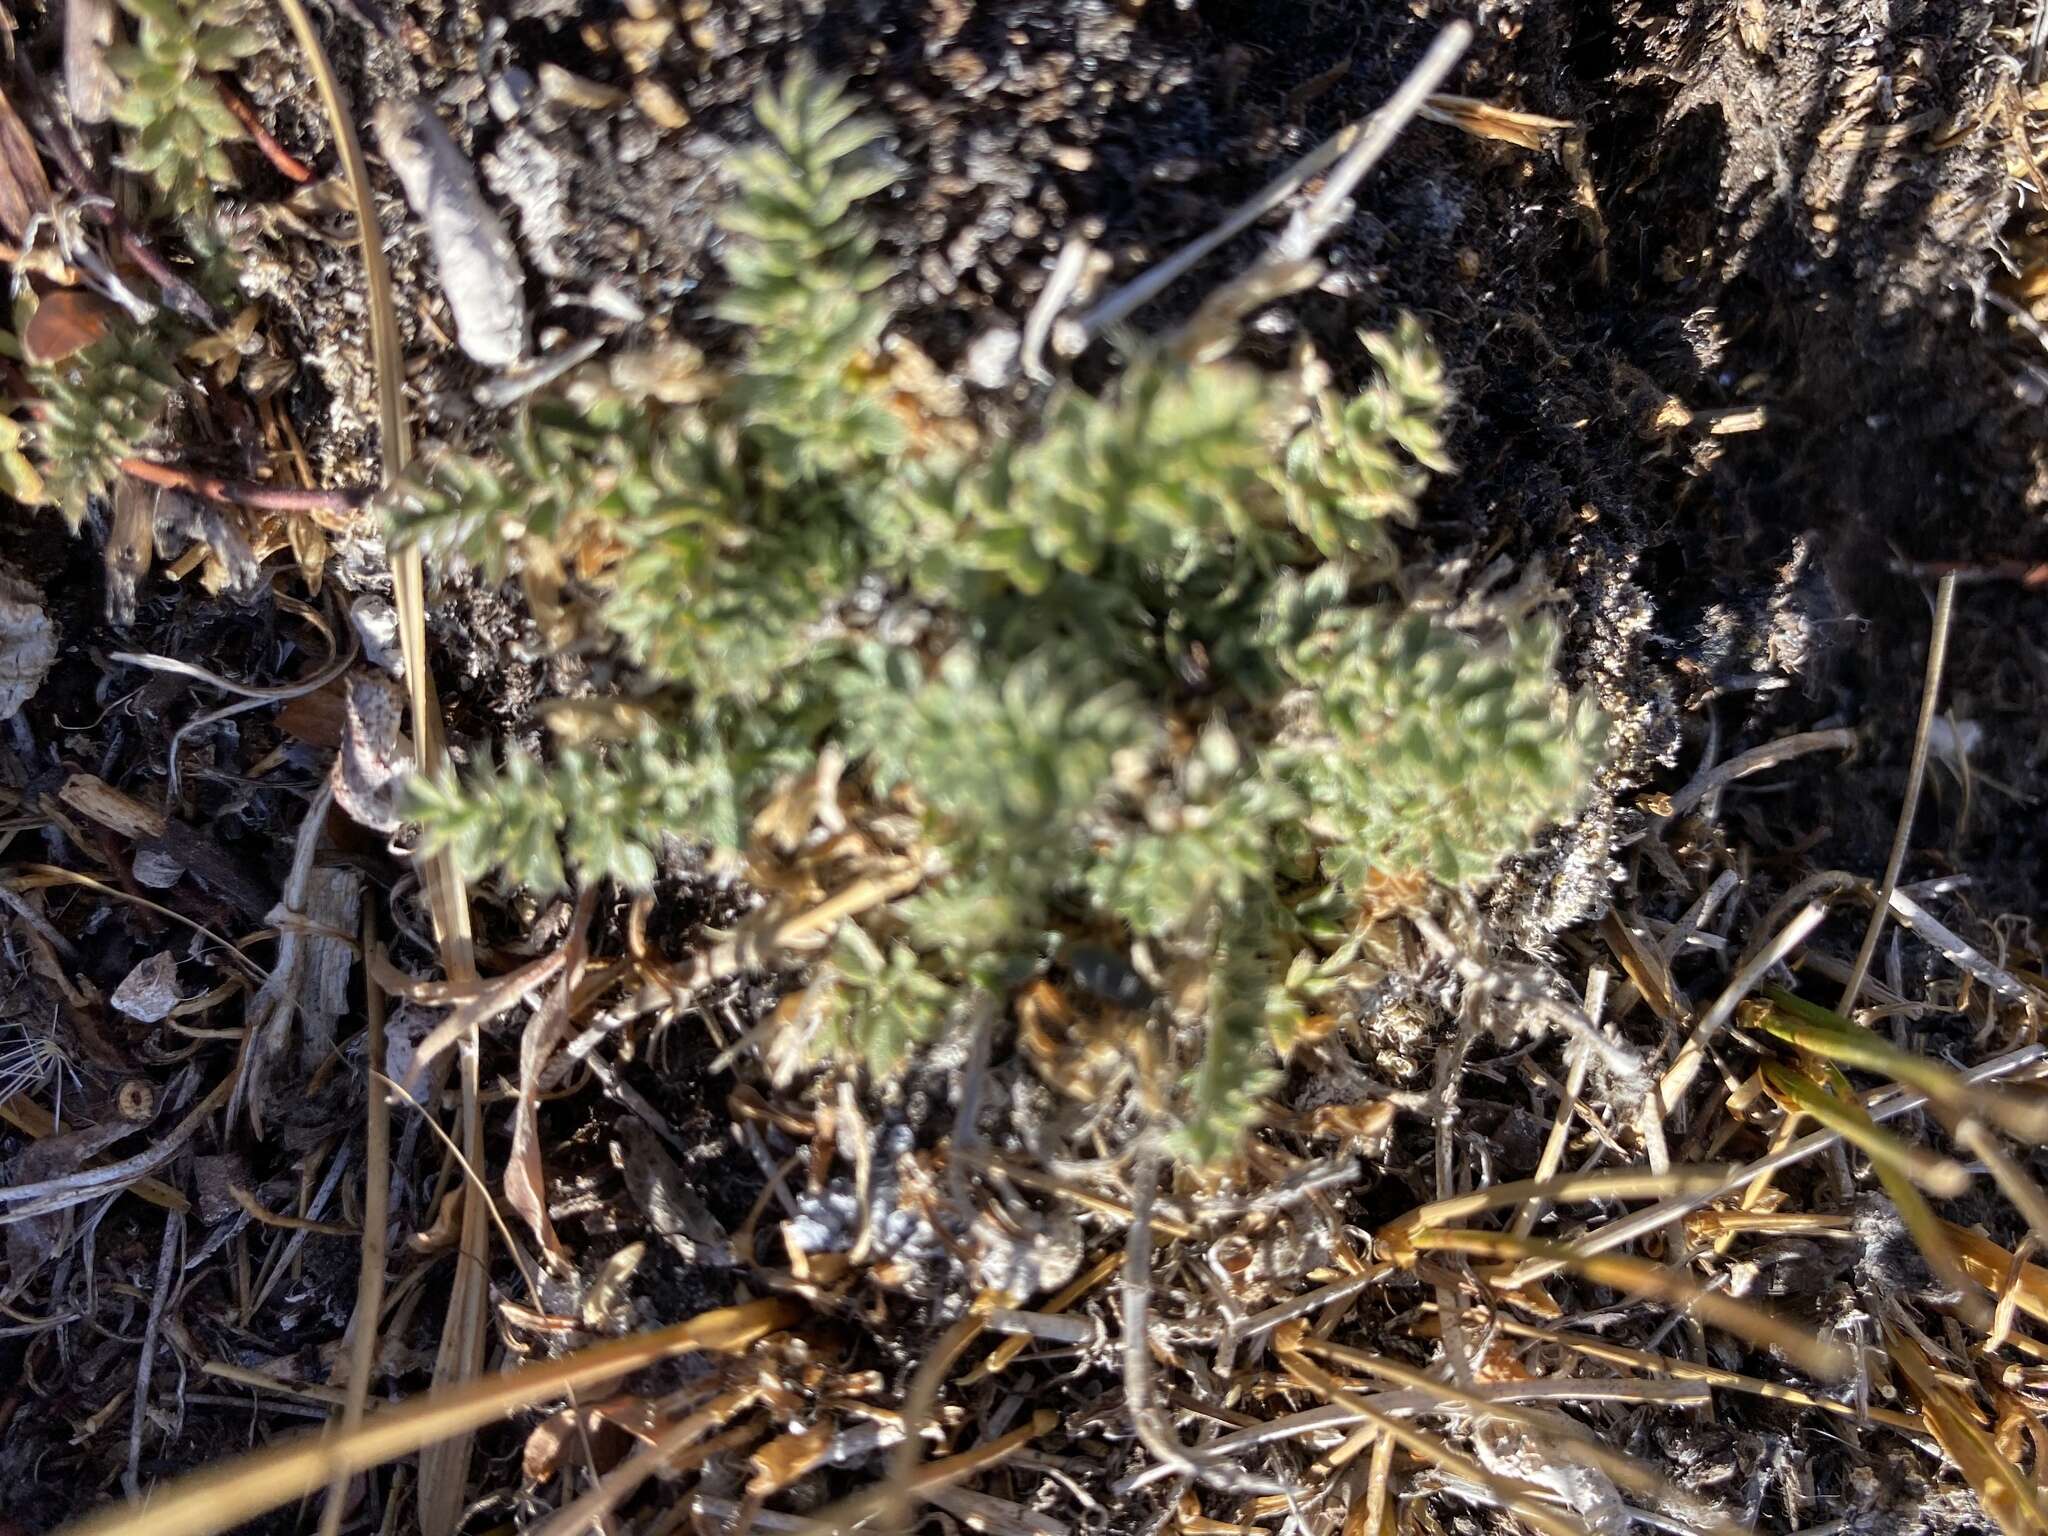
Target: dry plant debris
{"x": 834, "y": 1136}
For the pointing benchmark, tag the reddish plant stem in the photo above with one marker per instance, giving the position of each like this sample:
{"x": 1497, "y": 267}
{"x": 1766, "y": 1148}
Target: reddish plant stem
{"x": 241, "y": 493}
{"x": 288, "y": 164}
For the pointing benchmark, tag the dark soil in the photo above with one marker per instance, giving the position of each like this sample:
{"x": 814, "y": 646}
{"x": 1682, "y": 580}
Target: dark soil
{"x": 1804, "y": 211}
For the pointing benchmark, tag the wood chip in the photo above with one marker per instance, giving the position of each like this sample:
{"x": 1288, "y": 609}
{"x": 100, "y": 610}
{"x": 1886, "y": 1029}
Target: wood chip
{"x": 99, "y": 801}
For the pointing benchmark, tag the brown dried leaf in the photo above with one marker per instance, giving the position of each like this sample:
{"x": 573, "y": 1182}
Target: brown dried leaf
{"x": 317, "y": 718}
{"x": 525, "y": 1179}
{"x": 1484, "y": 120}
{"x": 788, "y": 1457}
{"x": 607, "y": 1424}
{"x": 66, "y": 322}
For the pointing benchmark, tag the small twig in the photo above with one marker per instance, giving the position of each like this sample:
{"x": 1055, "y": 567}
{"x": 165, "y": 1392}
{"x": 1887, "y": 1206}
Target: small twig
{"x": 243, "y": 493}
{"x": 287, "y": 164}
{"x": 1135, "y": 1288}
{"x": 1361, "y": 144}
{"x": 1916, "y": 772}
{"x": 1678, "y": 1077}
{"x": 1756, "y": 760}
{"x": 145, "y": 1367}
{"x": 1567, "y": 1103}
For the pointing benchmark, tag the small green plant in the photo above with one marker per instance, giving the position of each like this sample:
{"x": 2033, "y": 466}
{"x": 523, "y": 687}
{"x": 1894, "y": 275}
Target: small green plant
{"x": 98, "y": 405}
{"x": 170, "y": 102}
{"x": 1124, "y": 680}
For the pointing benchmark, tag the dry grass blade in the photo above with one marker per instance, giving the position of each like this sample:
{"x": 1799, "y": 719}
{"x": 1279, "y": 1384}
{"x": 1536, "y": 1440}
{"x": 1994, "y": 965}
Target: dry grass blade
{"x": 1916, "y": 773}
{"x": 1678, "y": 1077}
{"x": 258, "y": 1212}
{"x": 835, "y": 1519}
{"x": 444, "y": 1466}
{"x": 2012, "y": 1179}
{"x": 222, "y": 1497}
{"x": 1005, "y": 1354}
{"x": 1639, "y": 1277}
{"x": 369, "y": 1306}
{"x": 443, "y": 1474}
{"x": 1360, "y": 143}
{"x": 1710, "y": 1375}
{"x": 1899, "y": 1167}
{"x": 40, "y": 1196}
{"x": 1485, "y": 120}
{"x": 1834, "y": 1038}
{"x": 918, "y": 1404}
{"x": 1567, "y": 1434}
{"x": 36, "y": 1122}
{"x": 1516, "y": 1499}
{"x": 29, "y": 877}
{"x": 1992, "y": 1267}
{"x": 670, "y": 1453}
{"x": 2009, "y": 1496}
{"x": 1611, "y": 1184}
{"x": 1886, "y": 1104}
{"x": 1798, "y": 1093}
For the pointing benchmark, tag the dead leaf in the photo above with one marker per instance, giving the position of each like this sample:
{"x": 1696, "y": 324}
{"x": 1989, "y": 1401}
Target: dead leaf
{"x": 317, "y": 718}
{"x": 1484, "y": 120}
{"x": 150, "y": 991}
{"x": 788, "y": 1457}
{"x": 657, "y": 1185}
{"x": 66, "y": 322}
{"x": 558, "y": 1433}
